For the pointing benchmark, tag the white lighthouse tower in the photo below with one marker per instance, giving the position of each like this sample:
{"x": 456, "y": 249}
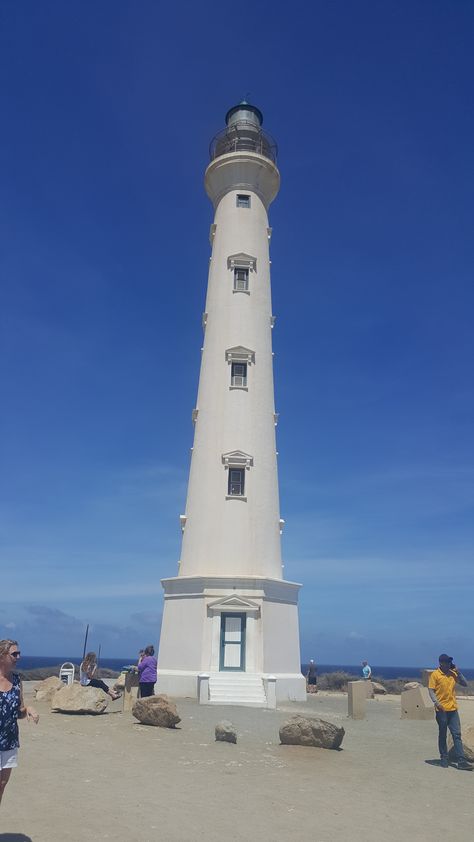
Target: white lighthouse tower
{"x": 230, "y": 622}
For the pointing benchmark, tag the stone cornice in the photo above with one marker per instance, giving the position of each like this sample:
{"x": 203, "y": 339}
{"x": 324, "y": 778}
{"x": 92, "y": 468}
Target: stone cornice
{"x": 242, "y": 171}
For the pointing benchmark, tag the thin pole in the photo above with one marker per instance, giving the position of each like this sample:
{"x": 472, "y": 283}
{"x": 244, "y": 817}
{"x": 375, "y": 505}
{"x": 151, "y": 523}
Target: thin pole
{"x": 85, "y": 642}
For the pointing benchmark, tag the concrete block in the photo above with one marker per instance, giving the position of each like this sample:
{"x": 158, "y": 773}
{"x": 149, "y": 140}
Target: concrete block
{"x": 131, "y": 690}
{"x": 417, "y": 704}
{"x": 270, "y": 690}
{"x": 357, "y": 699}
{"x": 425, "y": 677}
{"x": 203, "y": 688}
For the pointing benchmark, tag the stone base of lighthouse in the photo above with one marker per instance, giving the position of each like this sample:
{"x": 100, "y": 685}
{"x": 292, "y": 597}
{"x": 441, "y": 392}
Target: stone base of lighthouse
{"x": 228, "y": 640}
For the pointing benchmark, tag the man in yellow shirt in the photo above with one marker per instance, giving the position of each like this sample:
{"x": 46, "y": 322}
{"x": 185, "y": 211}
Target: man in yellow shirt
{"x": 441, "y": 688}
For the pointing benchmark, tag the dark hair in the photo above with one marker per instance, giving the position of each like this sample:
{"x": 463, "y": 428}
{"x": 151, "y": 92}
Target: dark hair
{"x": 150, "y": 650}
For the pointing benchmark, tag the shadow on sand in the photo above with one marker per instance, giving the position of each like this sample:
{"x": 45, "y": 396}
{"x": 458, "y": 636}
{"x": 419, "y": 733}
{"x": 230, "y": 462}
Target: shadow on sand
{"x": 79, "y": 713}
{"x": 14, "y": 837}
{"x": 429, "y": 762}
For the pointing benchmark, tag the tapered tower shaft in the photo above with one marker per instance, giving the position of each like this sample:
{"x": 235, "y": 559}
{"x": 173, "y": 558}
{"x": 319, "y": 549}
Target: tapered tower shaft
{"x": 230, "y": 621}
{"x": 232, "y": 514}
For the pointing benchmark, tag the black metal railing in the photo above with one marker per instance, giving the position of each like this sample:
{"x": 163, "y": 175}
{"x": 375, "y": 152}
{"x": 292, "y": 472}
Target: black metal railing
{"x": 243, "y": 137}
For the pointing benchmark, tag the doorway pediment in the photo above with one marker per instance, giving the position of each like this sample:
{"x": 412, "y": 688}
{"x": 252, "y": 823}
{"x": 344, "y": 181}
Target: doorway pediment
{"x": 234, "y": 603}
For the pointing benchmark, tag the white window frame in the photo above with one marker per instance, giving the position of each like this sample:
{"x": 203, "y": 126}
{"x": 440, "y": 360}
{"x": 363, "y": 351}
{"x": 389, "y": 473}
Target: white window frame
{"x": 245, "y": 204}
{"x": 237, "y": 460}
{"x": 239, "y": 354}
{"x": 241, "y": 261}
{"x": 238, "y": 381}
{"x": 234, "y": 483}
{"x": 241, "y": 284}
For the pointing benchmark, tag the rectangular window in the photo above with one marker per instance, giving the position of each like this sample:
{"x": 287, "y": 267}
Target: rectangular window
{"x": 236, "y": 482}
{"x": 243, "y": 201}
{"x": 238, "y": 375}
{"x": 241, "y": 279}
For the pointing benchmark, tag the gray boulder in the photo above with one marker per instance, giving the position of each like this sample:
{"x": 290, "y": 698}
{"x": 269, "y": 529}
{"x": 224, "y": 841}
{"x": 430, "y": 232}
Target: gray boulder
{"x": 379, "y": 689}
{"x": 225, "y": 732}
{"x": 156, "y": 710}
{"x": 73, "y": 698}
{"x": 45, "y": 690}
{"x": 411, "y": 685}
{"x": 311, "y": 731}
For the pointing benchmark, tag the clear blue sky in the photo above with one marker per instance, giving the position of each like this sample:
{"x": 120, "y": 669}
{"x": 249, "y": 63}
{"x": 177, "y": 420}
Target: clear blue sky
{"x": 107, "y": 112}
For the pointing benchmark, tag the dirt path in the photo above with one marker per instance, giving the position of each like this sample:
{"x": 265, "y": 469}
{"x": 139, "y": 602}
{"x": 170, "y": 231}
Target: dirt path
{"x": 107, "y": 777}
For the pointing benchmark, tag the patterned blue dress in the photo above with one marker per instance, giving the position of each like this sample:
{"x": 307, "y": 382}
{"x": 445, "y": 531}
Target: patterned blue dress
{"x": 10, "y": 703}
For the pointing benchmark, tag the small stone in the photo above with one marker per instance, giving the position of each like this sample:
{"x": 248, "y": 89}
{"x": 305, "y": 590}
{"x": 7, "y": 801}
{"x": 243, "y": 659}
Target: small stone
{"x": 311, "y": 731}
{"x": 225, "y": 732}
{"x": 156, "y": 710}
{"x": 74, "y": 698}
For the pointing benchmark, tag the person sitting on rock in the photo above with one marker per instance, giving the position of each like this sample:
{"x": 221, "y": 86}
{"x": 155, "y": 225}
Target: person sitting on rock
{"x": 86, "y": 676}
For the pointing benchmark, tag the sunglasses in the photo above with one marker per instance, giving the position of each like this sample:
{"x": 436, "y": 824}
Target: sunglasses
{"x": 15, "y": 654}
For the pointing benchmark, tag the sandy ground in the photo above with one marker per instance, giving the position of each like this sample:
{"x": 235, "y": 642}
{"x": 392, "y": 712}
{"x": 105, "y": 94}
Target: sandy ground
{"x": 108, "y": 777}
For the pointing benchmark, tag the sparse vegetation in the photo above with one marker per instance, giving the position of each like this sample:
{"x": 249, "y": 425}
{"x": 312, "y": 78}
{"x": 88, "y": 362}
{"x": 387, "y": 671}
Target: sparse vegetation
{"x": 337, "y": 682}
{"x": 41, "y": 673}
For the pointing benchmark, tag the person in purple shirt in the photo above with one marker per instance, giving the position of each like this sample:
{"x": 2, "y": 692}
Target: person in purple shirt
{"x": 147, "y": 671}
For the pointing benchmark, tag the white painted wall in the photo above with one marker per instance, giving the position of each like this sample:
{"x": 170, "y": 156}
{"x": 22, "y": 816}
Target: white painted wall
{"x": 179, "y": 649}
{"x": 231, "y": 547}
{"x": 281, "y": 651}
{"x": 232, "y": 536}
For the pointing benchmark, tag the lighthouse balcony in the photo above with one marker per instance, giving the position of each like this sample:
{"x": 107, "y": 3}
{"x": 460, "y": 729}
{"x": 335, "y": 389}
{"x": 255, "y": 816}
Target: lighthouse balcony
{"x": 243, "y": 136}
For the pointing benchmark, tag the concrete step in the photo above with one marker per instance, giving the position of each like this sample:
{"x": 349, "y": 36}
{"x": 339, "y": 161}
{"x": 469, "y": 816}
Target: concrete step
{"x": 257, "y": 682}
{"x": 234, "y": 677}
{"x": 250, "y": 703}
{"x": 237, "y": 693}
{"x": 237, "y": 688}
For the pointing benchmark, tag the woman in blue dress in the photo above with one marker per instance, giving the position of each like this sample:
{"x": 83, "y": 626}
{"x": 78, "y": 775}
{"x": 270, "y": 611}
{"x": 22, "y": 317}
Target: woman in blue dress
{"x": 12, "y": 708}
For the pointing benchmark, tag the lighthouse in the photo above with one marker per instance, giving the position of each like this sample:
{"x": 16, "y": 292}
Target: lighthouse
{"x": 230, "y": 620}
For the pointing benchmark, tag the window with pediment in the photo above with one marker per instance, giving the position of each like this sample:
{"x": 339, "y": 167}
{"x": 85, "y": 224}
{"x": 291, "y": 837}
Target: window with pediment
{"x": 240, "y": 359}
{"x": 236, "y": 464}
{"x": 241, "y": 265}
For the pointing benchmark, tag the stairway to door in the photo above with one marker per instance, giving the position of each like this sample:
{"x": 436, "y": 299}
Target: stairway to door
{"x": 237, "y": 688}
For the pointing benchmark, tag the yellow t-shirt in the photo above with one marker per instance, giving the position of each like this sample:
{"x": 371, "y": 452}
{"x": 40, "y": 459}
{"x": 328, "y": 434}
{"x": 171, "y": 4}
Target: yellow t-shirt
{"x": 444, "y": 685}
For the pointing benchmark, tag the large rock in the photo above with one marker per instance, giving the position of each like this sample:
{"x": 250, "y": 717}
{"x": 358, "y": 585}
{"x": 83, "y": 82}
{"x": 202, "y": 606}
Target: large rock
{"x": 411, "y": 685}
{"x": 156, "y": 710}
{"x": 467, "y": 737}
{"x": 73, "y": 698}
{"x": 311, "y": 731}
{"x": 225, "y": 732}
{"x": 45, "y": 690}
{"x": 379, "y": 689}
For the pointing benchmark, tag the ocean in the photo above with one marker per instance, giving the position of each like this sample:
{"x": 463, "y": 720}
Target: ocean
{"x": 30, "y": 662}
{"x": 384, "y": 672}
